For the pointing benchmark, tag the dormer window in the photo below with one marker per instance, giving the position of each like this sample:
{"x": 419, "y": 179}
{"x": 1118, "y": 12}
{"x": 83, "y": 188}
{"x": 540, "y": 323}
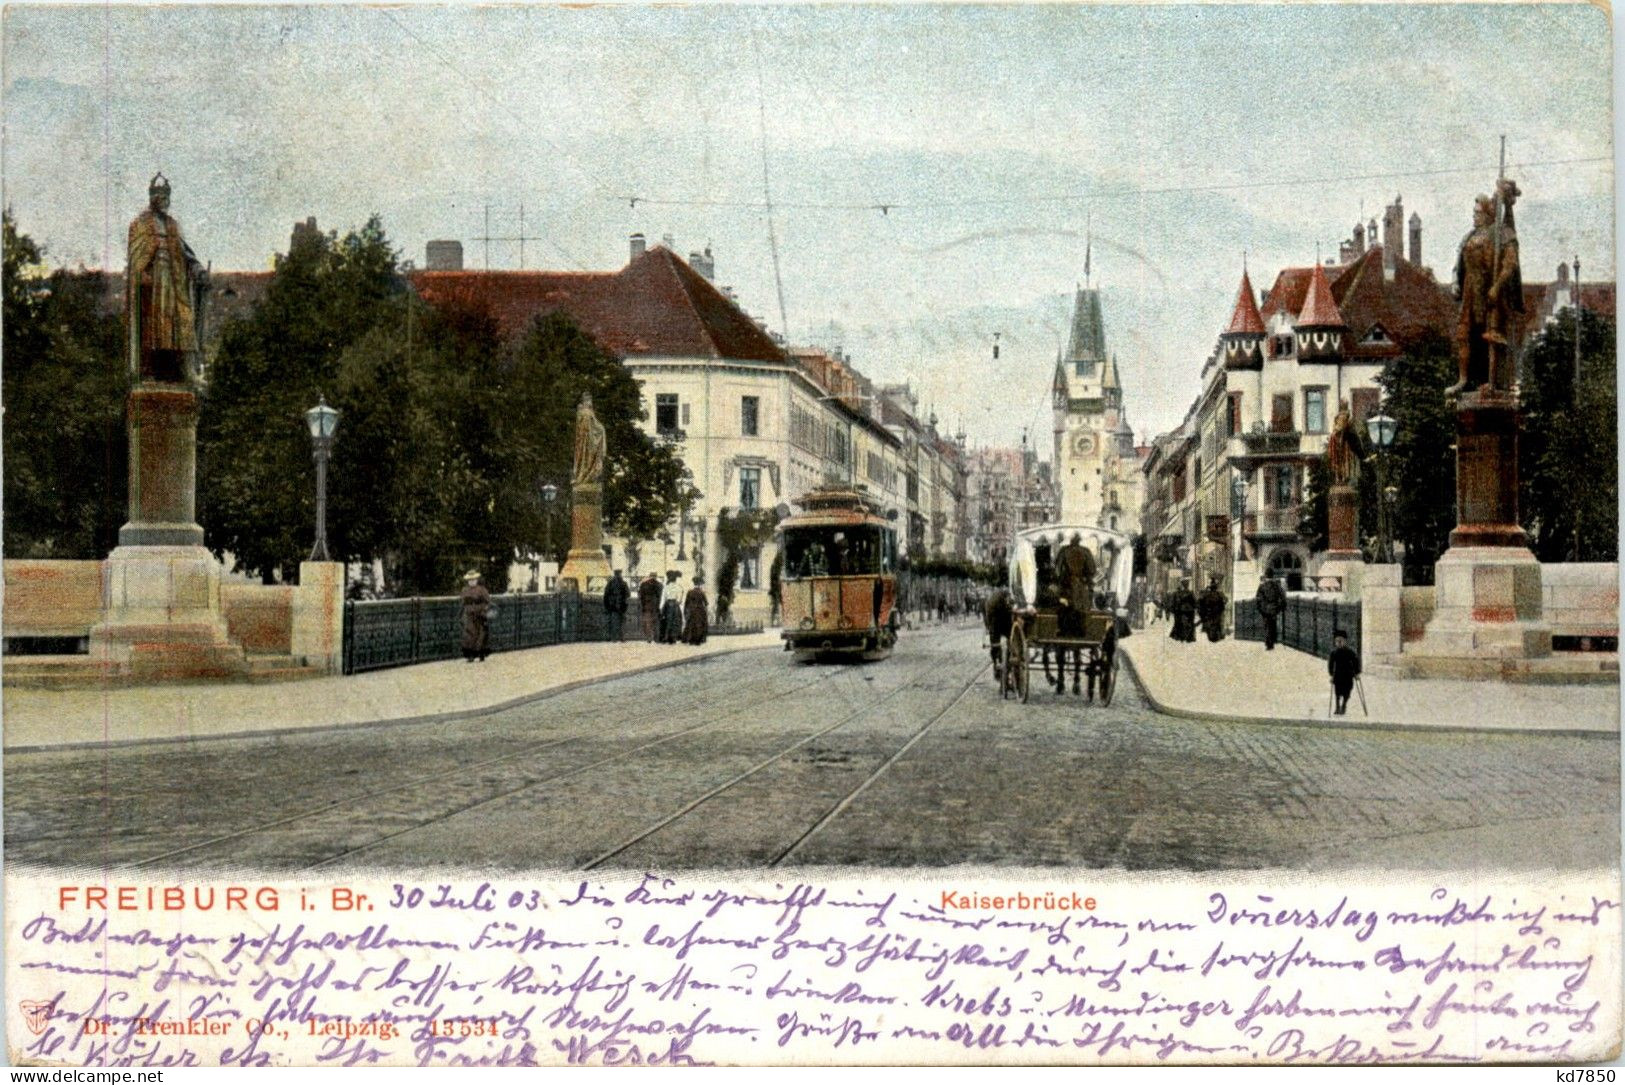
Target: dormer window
{"x": 1377, "y": 334}
{"x": 1281, "y": 346}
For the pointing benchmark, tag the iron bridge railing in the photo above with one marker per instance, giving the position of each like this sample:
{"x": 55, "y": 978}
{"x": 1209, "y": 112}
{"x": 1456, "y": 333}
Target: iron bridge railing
{"x": 1306, "y": 624}
{"x": 380, "y": 633}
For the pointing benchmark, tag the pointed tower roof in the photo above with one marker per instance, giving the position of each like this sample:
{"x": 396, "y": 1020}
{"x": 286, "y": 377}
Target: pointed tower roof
{"x": 1088, "y": 338}
{"x": 1245, "y": 319}
{"x": 1108, "y": 375}
{"x": 1319, "y": 310}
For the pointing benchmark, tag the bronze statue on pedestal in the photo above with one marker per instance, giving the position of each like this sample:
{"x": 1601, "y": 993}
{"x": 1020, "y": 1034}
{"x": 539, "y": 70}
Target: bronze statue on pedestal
{"x": 164, "y": 285}
{"x": 1489, "y": 286}
{"x": 589, "y": 446}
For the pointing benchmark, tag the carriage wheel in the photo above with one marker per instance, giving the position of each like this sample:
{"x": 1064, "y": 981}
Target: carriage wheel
{"x": 1018, "y": 668}
{"x": 1108, "y": 674}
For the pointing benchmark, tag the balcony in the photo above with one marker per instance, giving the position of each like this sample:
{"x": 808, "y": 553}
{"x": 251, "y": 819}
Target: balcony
{"x": 1258, "y": 446}
{"x": 1272, "y": 523}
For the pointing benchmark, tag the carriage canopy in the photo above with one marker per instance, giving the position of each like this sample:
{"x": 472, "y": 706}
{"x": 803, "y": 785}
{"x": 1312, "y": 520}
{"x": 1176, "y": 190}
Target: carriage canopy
{"x": 1032, "y": 562}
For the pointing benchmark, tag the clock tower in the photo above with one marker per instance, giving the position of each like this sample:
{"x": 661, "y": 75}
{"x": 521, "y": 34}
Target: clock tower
{"x": 1088, "y": 404}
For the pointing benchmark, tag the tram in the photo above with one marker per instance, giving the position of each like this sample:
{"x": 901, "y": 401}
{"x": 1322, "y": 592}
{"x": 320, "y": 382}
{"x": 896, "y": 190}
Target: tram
{"x": 838, "y": 582}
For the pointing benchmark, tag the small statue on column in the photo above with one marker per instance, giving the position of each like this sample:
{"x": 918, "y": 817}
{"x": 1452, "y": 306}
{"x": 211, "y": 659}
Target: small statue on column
{"x": 163, "y": 299}
{"x": 589, "y": 446}
{"x": 1489, "y": 285}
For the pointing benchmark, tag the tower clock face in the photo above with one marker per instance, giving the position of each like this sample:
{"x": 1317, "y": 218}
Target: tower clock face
{"x": 1084, "y": 444}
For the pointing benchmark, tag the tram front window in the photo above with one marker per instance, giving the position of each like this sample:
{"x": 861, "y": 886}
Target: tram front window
{"x": 832, "y": 552}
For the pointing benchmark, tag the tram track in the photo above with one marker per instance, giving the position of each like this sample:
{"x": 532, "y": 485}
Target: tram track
{"x": 619, "y": 756}
{"x": 913, "y": 684}
{"x": 705, "y": 701}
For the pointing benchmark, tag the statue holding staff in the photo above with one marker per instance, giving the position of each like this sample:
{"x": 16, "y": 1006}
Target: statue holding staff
{"x": 1489, "y": 285}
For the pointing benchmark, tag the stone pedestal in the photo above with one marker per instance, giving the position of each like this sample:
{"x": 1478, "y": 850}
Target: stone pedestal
{"x": 162, "y": 425}
{"x": 1342, "y": 521}
{"x": 1487, "y": 472}
{"x": 1487, "y": 606}
{"x": 162, "y": 616}
{"x": 318, "y": 615}
{"x": 585, "y": 563}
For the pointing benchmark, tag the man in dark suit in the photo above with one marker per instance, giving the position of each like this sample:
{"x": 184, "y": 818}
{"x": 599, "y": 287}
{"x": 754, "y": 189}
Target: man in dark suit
{"x": 1271, "y": 601}
{"x": 616, "y": 597}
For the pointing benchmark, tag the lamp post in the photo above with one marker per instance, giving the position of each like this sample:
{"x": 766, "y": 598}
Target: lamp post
{"x": 323, "y": 422}
{"x": 1381, "y": 430}
{"x": 550, "y": 494}
{"x": 1238, "y": 491}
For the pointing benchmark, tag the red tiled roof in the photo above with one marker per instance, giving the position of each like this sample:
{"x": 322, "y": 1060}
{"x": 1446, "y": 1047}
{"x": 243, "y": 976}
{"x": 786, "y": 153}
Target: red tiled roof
{"x": 1409, "y": 306}
{"x": 1287, "y": 295}
{"x": 1245, "y": 320}
{"x": 655, "y": 306}
{"x": 1319, "y": 310}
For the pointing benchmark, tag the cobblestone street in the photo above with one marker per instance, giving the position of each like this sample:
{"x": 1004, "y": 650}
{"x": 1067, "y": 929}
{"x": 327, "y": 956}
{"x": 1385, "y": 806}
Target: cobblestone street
{"x": 749, "y": 759}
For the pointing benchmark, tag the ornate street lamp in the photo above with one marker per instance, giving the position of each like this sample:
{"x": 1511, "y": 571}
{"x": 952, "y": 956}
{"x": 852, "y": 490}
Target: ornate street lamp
{"x": 1381, "y": 429}
{"x": 323, "y": 422}
{"x": 550, "y": 494}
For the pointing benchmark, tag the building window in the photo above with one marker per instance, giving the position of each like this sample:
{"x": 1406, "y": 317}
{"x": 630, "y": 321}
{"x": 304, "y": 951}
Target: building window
{"x": 750, "y": 569}
{"x": 1283, "y": 346}
{"x": 1314, "y": 410}
{"x": 1235, "y": 415}
{"x": 1281, "y": 413}
{"x": 749, "y": 409}
{"x": 750, "y": 487}
{"x": 666, "y": 415}
{"x": 1084, "y": 367}
{"x": 1280, "y": 490}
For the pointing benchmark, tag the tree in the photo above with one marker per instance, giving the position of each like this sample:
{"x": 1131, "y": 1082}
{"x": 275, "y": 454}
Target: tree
{"x": 534, "y": 413}
{"x": 63, "y": 385}
{"x": 1568, "y": 470}
{"x": 1422, "y": 460}
{"x": 256, "y": 494}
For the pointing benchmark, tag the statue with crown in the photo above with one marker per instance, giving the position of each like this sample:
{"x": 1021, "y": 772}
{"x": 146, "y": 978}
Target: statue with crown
{"x": 164, "y": 290}
{"x": 163, "y": 616}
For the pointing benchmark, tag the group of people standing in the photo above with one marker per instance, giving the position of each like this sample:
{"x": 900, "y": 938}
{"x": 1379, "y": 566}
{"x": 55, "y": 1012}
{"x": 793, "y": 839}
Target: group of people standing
{"x": 666, "y": 615}
{"x": 1187, "y": 609}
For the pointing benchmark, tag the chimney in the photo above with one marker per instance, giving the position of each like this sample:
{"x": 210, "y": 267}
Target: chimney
{"x": 638, "y": 246}
{"x": 669, "y": 241}
{"x": 701, "y": 262}
{"x": 443, "y": 256}
{"x": 1359, "y": 240}
{"x": 1416, "y": 239}
{"x": 1393, "y": 240}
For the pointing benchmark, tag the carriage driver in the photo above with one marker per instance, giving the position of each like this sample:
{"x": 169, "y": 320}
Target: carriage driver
{"x": 1076, "y": 571}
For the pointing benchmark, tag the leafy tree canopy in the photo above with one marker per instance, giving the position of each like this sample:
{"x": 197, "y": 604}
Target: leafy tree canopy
{"x": 63, "y": 387}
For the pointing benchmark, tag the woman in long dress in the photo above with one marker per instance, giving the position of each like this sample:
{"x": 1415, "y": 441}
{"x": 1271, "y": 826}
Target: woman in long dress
{"x": 696, "y": 624}
{"x": 476, "y": 618}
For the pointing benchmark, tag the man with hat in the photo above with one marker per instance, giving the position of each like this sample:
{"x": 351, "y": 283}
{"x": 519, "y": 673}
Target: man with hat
{"x": 476, "y": 618}
{"x": 616, "y": 597}
{"x": 1344, "y": 667}
{"x": 1075, "y": 569}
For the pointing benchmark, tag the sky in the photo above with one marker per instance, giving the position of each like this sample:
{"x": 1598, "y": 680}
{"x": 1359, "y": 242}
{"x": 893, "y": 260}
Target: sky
{"x": 1003, "y": 142}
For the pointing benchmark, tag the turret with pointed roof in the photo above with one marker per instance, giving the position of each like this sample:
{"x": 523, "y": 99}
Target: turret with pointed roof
{"x": 1320, "y": 326}
{"x": 1242, "y": 341}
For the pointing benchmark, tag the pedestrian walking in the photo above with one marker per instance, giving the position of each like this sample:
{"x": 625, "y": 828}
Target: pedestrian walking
{"x": 1271, "y": 601}
{"x": 649, "y": 606}
{"x": 1182, "y": 605}
{"x": 696, "y": 614}
{"x": 671, "y": 610}
{"x": 476, "y": 618}
{"x": 616, "y": 597}
{"x": 1211, "y": 609}
{"x": 1344, "y": 667}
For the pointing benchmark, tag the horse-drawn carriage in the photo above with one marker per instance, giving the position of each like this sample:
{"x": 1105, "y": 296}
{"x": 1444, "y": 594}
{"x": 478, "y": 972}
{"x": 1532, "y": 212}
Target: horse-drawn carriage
{"x": 1052, "y": 630}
